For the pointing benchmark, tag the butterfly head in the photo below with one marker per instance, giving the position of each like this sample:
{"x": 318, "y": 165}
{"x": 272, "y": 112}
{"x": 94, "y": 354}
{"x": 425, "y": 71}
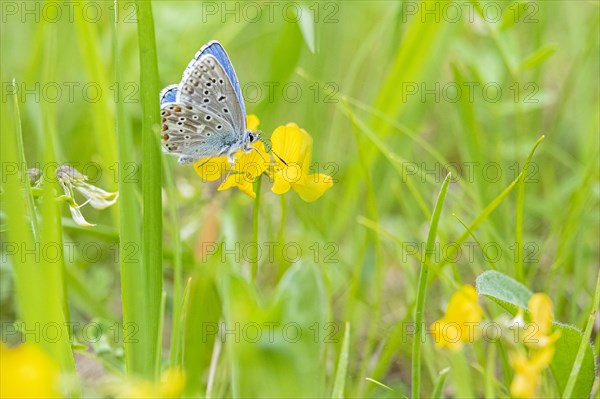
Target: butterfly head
{"x": 253, "y": 136}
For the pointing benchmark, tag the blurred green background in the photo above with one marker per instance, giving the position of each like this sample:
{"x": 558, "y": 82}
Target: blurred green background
{"x": 395, "y": 95}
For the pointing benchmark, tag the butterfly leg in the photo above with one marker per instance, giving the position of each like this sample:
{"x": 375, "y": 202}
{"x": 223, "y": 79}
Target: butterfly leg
{"x": 249, "y": 149}
{"x": 183, "y": 159}
{"x": 231, "y": 161}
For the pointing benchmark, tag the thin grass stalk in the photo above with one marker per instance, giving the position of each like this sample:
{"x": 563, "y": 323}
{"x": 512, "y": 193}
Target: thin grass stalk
{"x": 255, "y": 215}
{"x": 175, "y": 355}
{"x": 422, "y": 289}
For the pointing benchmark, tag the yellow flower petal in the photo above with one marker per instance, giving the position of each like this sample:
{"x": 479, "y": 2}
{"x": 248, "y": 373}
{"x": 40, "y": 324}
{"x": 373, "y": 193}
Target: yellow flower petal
{"x": 313, "y": 187}
{"x": 26, "y": 371}
{"x": 528, "y": 371}
{"x": 248, "y": 166}
{"x": 253, "y": 163}
{"x": 241, "y": 182}
{"x": 460, "y": 324}
{"x": 540, "y": 307}
{"x": 464, "y": 307}
{"x": 172, "y": 383}
{"x": 446, "y": 335}
{"x": 252, "y": 122}
{"x": 280, "y": 184}
{"x": 293, "y": 145}
{"x": 524, "y": 386}
{"x": 212, "y": 169}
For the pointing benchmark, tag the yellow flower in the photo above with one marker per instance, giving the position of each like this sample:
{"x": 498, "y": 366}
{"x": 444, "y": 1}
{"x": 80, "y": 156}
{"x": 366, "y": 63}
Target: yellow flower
{"x": 293, "y": 147}
{"x": 171, "y": 385}
{"x": 540, "y": 308}
{"x": 460, "y": 324}
{"x": 27, "y": 372}
{"x": 247, "y": 167}
{"x": 528, "y": 369}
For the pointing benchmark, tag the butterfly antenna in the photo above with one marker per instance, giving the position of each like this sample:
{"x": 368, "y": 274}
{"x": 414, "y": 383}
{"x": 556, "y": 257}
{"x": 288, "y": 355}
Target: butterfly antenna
{"x": 269, "y": 148}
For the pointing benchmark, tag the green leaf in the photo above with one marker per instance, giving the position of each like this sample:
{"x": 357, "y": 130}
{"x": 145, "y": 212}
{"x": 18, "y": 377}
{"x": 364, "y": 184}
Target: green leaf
{"x": 200, "y": 316}
{"x": 286, "y": 52}
{"x": 537, "y": 57}
{"x": 503, "y": 290}
{"x": 283, "y": 339}
{"x": 439, "y": 385}
{"x": 582, "y": 351}
{"x": 564, "y": 359}
{"x": 512, "y": 295}
{"x": 307, "y": 27}
{"x": 515, "y": 12}
{"x": 342, "y": 368}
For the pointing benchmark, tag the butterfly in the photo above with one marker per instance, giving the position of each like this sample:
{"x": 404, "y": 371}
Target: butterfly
{"x": 204, "y": 115}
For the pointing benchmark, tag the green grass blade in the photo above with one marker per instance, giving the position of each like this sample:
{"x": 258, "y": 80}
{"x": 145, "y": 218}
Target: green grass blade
{"x": 489, "y": 261}
{"x": 422, "y": 288}
{"x": 485, "y": 212}
{"x": 175, "y": 355}
{"x": 255, "y": 215}
{"x": 101, "y": 111}
{"x": 52, "y": 300}
{"x": 342, "y": 367}
{"x": 585, "y": 339}
{"x": 22, "y": 163}
{"x": 519, "y": 259}
{"x": 151, "y": 194}
{"x": 129, "y": 221}
{"x": 415, "y": 53}
{"x": 439, "y": 385}
{"x": 38, "y": 280}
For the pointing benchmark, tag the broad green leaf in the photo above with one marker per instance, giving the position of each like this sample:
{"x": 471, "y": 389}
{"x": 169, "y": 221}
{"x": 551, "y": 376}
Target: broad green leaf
{"x": 512, "y": 295}
{"x": 504, "y": 290}
{"x": 564, "y": 357}
{"x": 282, "y": 339}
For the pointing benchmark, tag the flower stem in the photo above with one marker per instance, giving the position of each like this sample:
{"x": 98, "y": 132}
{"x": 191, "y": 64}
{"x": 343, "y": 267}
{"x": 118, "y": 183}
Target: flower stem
{"x": 430, "y": 246}
{"x": 254, "y": 257}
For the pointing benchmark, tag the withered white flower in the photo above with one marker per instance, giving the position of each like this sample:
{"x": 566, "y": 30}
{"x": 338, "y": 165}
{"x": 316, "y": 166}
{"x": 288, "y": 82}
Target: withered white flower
{"x": 70, "y": 179}
{"x": 34, "y": 176}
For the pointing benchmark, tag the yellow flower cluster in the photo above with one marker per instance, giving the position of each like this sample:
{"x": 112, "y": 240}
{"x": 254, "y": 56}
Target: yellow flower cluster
{"x": 292, "y": 147}
{"x": 461, "y": 322}
{"x": 528, "y": 367}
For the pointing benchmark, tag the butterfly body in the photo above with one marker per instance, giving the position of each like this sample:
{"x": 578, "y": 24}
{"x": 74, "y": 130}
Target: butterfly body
{"x": 204, "y": 115}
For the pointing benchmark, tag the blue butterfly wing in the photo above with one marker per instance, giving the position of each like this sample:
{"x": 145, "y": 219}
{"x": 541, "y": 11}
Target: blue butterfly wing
{"x": 168, "y": 94}
{"x": 215, "y": 49}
